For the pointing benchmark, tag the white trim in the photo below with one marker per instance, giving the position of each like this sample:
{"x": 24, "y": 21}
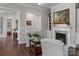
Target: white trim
{"x": 59, "y": 5}
{"x": 9, "y": 8}
{"x": 20, "y": 42}
{"x": 27, "y": 44}
{"x": 71, "y": 45}
{"x": 34, "y": 7}
{"x": 3, "y": 36}
{"x": 67, "y": 30}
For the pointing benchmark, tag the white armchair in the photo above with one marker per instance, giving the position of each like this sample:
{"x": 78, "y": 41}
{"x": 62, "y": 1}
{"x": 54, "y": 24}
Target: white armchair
{"x": 52, "y": 47}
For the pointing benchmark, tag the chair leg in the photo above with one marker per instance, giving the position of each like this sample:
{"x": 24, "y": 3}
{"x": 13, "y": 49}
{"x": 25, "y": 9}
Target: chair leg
{"x": 76, "y": 52}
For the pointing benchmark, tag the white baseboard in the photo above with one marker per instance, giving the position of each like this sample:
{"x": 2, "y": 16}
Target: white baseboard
{"x": 71, "y": 45}
{"x": 3, "y": 36}
{"x": 20, "y": 42}
{"x": 27, "y": 44}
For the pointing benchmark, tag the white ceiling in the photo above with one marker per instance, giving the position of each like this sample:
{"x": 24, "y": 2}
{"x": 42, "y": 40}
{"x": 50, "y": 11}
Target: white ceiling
{"x": 44, "y": 5}
{"x": 4, "y": 10}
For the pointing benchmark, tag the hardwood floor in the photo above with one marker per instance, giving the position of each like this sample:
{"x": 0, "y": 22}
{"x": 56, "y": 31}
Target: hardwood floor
{"x": 73, "y": 51}
{"x": 10, "y": 47}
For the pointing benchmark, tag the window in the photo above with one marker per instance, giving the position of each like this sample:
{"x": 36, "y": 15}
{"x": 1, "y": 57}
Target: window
{"x": 1, "y": 24}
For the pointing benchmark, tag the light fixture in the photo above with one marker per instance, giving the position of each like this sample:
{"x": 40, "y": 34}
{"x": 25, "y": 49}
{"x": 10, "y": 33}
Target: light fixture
{"x": 40, "y": 3}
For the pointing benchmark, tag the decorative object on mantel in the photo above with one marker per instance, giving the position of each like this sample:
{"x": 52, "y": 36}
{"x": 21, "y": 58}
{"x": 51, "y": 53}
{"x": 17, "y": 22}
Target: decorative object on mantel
{"x": 36, "y": 36}
{"x": 61, "y": 17}
{"x": 62, "y": 26}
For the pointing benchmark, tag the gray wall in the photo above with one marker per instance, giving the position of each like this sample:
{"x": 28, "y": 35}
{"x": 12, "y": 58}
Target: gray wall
{"x": 72, "y": 25}
{"x": 21, "y": 11}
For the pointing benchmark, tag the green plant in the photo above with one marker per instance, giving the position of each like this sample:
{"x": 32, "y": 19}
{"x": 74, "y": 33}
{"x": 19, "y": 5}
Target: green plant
{"x": 36, "y": 35}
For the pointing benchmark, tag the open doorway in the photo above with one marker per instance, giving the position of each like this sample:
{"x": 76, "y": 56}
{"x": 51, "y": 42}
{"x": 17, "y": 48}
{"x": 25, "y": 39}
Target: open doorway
{"x": 9, "y": 27}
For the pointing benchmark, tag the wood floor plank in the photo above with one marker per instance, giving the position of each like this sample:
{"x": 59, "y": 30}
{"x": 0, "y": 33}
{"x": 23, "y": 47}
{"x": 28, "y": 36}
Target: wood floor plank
{"x": 10, "y": 47}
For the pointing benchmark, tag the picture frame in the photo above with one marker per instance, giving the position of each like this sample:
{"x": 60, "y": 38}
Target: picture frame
{"x": 28, "y": 23}
{"x": 61, "y": 17}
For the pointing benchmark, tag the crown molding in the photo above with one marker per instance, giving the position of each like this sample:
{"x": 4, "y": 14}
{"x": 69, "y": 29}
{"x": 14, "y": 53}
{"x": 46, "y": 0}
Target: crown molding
{"x": 34, "y": 7}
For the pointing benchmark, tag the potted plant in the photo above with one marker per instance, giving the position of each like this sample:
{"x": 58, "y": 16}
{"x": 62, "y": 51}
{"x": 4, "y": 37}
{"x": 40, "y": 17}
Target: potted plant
{"x": 36, "y": 36}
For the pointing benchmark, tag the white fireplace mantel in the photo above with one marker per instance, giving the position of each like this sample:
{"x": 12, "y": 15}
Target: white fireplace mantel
{"x": 61, "y": 26}
{"x": 66, "y": 30}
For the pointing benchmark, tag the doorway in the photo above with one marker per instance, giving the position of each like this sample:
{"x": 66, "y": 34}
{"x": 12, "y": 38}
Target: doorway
{"x": 9, "y": 27}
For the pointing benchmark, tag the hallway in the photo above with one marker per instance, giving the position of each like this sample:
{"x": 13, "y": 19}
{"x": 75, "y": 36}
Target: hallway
{"x": 10, "y": 47}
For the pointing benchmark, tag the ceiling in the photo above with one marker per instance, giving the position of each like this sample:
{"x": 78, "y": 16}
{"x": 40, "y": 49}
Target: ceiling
{"x": 43, "y": 5}
{"x": 4, "y": 10}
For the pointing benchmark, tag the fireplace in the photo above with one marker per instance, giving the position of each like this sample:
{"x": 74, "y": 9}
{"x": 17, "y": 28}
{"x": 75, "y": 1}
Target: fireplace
{"x": 62, "y": 34}
{"x": 61, "y": 37}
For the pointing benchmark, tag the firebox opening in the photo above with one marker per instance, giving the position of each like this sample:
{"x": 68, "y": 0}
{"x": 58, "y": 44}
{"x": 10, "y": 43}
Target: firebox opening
{"x": 61, "y": 36}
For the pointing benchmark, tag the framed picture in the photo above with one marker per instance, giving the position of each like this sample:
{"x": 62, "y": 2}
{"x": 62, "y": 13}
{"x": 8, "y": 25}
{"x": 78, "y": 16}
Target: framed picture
{"x": 28, "y": 23}
{"x": 61, "y": 17}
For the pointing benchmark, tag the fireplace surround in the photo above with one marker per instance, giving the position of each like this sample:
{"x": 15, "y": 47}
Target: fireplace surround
{"x": 57, "y": 31}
